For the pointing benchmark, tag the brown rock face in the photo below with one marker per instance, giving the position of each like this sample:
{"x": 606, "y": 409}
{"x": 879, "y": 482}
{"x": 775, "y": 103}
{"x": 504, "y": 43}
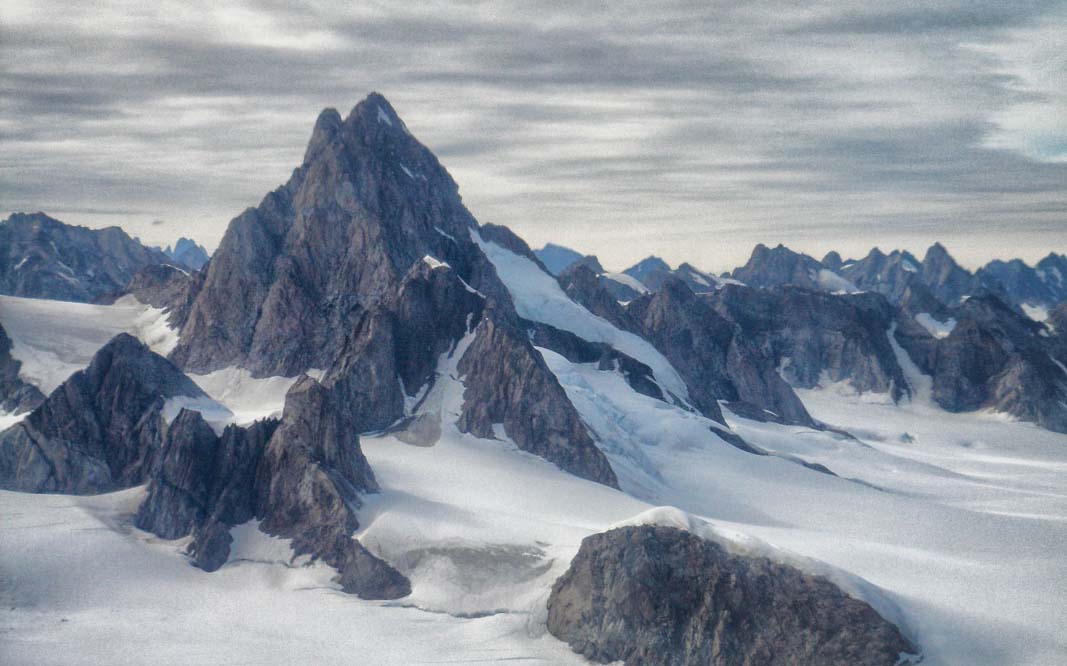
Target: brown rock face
{"x": 294, "y": 275}
{"x": 100, "y": 430}
{"x": 659, "y": 596}
{"x": 507, "y": 382}
{"x": 301, "y": 477}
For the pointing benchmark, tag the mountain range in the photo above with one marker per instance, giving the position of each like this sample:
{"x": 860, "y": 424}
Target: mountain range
{"x": 359, "y": 312}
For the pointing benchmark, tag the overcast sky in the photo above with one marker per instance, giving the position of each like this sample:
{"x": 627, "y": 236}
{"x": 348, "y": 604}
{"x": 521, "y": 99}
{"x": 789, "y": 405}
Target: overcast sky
{"x": 691, "y": 131}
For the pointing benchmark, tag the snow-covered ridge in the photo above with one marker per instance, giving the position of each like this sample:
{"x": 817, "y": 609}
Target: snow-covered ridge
{"x": 538, "y": 297}
{"x": 55, "y": 339}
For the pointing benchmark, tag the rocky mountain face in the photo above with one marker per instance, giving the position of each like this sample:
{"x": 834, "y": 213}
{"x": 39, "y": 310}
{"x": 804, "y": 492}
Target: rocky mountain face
{"x": 779, "y": 266}
{"x": 101, "y": 429}
{"x": 187, "y": 253}
{"x": 319, "y": 252}
{"x": 814, "y": 336}
{"x": 1042, "y": 286}
{"x": 168, "y": 288}
{"x": 712, "y": 355}
{"x": 41, "y": 257}
{"x": 302, "y": 478}
{"x": 557, "y": 258}
{"x": 364, "y": 265}
{"x": 995, "y": 358}
{"x": 889, "y": 274}
{"x": 653, "y": 596}
{"x": 16, "y": 395}
{"x": 946, "y": 279}
{"x": 650, "y": 271}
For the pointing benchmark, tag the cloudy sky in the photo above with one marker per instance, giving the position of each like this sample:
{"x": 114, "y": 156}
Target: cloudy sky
{"x": 689, "y": 130}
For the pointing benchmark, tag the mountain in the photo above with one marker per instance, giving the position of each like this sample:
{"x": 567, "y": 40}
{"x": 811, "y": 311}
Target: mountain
{"x": 41, "y": 257}
{"x": 557, "y": 258}
{"x": 367, "y": 264}
{"x": 779, "y": 266}
{"x": 1036, "y": 289}
{"x": 101, "y": 429}
{"x": 188, "y": 254}
{"x": 650, "y": 271}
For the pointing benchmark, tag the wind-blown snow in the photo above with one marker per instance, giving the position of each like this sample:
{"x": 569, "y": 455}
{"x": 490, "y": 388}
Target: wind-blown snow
{"x": 627, "y": 281}
{"x": 55, "y": 339}
{"x": 434, "y": 262}
{"x": 1038, "y": 313}
{"x": 248, "y": 398}
{"x": 832, "y": 282}
{"x": 938, "y": 329}
{"x": 538, "y": 297}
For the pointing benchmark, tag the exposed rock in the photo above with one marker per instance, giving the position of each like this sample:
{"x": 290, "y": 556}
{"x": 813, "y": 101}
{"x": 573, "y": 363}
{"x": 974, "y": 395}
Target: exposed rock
{"x": 709, "y": 352}
{"x": 16, "y": 395}
{"x": 948, "y": 281}
{"x": 586, "y": 288}
{"x": 168, "y": 288}
{"x": 778, "y": 267}
{"x": 302, "y": 478}
{"x": 187, "y": 253}
{"x": 41, "y": 257}
{"x": 996, "y": 358}
{"x": 556, "y": 258}
{"x": 650, "y": 271}
{"x": 813, "y": 335}
{"x": 294, "y": 276}
{"x": 888, "y": 274}
{"x": 654, "y": 596}
{"x": 578, "y": 350}
{"x": 507, "y": 382}
{"x": 101, "y": 429}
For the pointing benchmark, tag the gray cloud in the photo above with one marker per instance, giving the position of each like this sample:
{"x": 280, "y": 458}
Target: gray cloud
{"x": 692, "y": 130}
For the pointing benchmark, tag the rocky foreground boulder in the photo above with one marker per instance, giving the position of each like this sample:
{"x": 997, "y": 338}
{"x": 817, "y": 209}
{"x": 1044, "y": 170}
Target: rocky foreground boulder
{"x": 661, "y": 596}
{"x": 302, "y": 478}
{"x": 101, "y": 429}
{"x": 16, "y": 395}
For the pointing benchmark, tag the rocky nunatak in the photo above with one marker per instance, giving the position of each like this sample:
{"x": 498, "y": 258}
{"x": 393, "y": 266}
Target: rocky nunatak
{"x": 661, "y": 596}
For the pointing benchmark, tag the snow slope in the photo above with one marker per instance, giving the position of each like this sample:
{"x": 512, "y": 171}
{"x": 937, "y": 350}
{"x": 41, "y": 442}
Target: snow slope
{"x": 952, "y": 524}
{"x": 55, "y": 339}
{"x": 538, "y": 297}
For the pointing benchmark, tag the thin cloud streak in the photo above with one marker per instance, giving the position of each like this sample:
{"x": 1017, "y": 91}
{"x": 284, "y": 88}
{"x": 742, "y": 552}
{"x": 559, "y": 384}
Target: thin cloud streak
{"x": 697, "y": 129}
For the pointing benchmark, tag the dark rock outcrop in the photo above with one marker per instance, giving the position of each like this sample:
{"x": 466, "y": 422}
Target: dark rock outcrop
{"x": 507, "y": 382}
{"x": 168, "y": 288}
{"x": 41, "y": 257}
{"x": 301, "y": 477}
{"x": 101, "y": 429}
{"x": 813, "y": 334}
{"x": 996, "y": 358}
{"x": 589, "y": 290}
{"x": 716, "y": 361}
{"x": 16, "y": 395}
{"x": 659, "y": 596}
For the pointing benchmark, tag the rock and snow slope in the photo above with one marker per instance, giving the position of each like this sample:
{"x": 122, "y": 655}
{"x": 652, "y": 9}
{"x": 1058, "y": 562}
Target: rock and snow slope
{"x": 959, "y": 527}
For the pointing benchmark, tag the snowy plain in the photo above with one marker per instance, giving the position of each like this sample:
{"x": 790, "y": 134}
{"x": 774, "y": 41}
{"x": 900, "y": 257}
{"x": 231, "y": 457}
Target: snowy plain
{"x": 953, "y": 525}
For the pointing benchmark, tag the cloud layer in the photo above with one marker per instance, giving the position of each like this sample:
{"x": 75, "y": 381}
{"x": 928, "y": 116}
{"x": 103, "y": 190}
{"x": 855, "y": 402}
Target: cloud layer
{"x": 691, "y": 130}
